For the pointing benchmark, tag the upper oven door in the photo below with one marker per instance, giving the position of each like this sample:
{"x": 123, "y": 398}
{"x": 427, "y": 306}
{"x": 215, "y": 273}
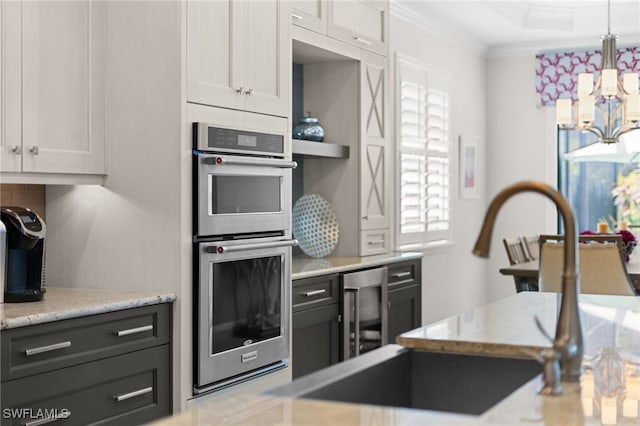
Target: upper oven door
{"x": 241, "y": 194}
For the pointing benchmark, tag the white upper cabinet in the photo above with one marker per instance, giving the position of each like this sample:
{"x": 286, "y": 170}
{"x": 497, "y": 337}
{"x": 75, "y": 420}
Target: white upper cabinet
{"x": 53, "y": 87}
{"x": 310, "y": 14}
{"x": 359, "y": 22}
{"x": 238, "y": 55}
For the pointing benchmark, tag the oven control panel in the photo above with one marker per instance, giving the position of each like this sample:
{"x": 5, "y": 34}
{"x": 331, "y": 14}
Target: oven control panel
{"x": 211, "y": 138}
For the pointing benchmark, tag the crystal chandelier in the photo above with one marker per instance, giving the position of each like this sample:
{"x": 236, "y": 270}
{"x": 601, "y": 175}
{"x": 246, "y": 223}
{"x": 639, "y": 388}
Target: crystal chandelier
{"x": 615, "y": 97}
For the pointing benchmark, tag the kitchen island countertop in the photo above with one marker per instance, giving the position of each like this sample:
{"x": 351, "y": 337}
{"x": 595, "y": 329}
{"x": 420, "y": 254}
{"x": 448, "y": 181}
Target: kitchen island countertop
{"x": 500, "y": 328}
{"x": 307, "y": 267}
{"x": 64, "y": 303}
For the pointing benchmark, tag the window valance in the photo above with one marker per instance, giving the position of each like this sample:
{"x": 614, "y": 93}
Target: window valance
{"x": 557, "y": 73}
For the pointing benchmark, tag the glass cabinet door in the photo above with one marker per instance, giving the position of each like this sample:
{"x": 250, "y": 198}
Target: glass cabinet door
{"x": 364, "y": 311}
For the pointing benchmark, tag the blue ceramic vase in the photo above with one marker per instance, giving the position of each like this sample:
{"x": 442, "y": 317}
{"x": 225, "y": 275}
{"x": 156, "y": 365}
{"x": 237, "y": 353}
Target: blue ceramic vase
{"x": 308, "y": 129}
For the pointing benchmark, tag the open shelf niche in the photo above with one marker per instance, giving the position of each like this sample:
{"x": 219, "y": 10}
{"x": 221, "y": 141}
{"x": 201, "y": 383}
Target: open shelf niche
{"x": 326, "y": 84}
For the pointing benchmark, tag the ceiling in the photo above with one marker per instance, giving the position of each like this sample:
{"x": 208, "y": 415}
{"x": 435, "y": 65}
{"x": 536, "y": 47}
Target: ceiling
{"x": 513, "y": 25}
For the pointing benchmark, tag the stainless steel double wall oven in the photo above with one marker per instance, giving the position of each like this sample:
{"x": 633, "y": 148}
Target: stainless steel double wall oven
{"x": 242, "y": 252}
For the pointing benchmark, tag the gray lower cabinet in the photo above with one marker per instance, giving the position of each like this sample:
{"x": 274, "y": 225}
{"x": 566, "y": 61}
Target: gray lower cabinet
{"x": 315, "y": 324}
{"x": 316, "y": 314}
{"x": 404, "y": 298}
{"x": 404, "y": 310}
{"x": 112, "y": 368}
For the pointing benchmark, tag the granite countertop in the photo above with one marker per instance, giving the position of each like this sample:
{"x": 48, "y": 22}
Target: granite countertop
{"x": 65, "y": 303}
{"x": 306, "y": 267}
{"x": 507, "y": 326}
{"x": 500, "y": 328}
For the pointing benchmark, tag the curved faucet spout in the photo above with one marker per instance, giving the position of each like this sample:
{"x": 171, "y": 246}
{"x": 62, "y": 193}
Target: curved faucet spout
{"x": 569, "y": 341}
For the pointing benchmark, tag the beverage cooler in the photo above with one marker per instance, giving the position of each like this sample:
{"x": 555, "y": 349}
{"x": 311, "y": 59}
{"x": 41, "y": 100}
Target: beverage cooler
{"x": 364, "y": 311}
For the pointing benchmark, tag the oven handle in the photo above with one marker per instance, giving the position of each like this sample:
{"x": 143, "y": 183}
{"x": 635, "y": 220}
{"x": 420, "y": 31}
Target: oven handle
{"x": 255, "y": 246}
{"x": 249, "y": 161}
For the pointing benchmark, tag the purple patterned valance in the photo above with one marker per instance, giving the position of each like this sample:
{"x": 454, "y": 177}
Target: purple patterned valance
{"x": 557, "y": 73}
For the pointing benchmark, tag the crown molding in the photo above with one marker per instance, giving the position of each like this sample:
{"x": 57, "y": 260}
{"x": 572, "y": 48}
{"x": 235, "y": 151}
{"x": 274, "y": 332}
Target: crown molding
{"x": 437, "y": 28}
{"x": 532, "y": 48}
{"x": 459, "y": 37}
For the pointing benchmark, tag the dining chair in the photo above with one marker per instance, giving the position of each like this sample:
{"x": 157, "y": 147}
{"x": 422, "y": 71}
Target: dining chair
{"x": 515, "y": 250}
{"x": 594, "y": 238}
{"x": 601, "y": 267}
{"x": 532, "y": 246}
{"x": 516, "y": 253}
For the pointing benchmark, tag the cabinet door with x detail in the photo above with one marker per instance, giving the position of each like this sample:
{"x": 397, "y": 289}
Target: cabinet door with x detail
{"x": 375, "y": 152}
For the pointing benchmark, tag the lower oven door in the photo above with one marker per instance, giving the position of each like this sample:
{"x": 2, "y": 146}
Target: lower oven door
{"x": 243, "y": 299}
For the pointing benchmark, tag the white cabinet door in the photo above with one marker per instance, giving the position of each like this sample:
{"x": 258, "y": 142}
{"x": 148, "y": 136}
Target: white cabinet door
{"x": 10, "y": 77}
{"x": 213, "y": 76}
{"x": 363, "y": 23}
{"x": 63, "y": 86}
{"x": 53, "y": 87}
{"x": 238, "y": 55}
{"x": 310, "y": 14}
{"x": 375, "y": 152}
{"x": 266, "y": 57}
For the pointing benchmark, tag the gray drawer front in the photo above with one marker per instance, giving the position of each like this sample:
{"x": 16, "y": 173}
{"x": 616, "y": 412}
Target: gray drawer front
{"x": 316, "y": 291}
{"x": 88, "y": 391}
{"x": 65, "y": 343}
{"x": 404, "y": 273}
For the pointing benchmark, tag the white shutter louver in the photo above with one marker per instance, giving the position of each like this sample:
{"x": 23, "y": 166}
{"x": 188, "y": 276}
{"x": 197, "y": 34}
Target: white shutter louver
{"x": 424, "y": 157}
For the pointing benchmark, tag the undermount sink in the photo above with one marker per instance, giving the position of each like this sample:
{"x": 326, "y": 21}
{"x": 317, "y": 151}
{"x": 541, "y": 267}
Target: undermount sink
{"x": 399, "y": 377}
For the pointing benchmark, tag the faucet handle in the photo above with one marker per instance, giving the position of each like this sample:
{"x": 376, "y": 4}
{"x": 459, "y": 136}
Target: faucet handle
{"x": 542, "y": 329}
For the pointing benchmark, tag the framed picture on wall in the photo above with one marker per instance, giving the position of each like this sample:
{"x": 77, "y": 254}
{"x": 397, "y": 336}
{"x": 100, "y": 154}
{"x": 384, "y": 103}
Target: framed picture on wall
{"x": 468, "y": 166}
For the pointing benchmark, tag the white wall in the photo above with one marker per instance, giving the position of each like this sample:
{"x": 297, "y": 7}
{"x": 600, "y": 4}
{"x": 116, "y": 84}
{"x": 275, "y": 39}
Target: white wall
{"x": 453, "y": 279}
{"x": 521, "y": 146}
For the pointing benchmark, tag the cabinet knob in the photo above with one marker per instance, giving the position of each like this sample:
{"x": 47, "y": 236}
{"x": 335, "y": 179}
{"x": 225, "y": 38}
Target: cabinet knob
{"x": 241, "y": 90}
{"x": 33, "y": 150}
{"x": 249, "y": 92}
{"x": 16, "y": 149}
{"x": 365, "y": 217}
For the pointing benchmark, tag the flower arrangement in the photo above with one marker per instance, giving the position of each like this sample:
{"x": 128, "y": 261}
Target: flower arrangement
{"x": 626, "y": 195}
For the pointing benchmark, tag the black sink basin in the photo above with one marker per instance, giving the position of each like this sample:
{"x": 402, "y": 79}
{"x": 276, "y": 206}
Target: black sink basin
{"x": 398, "y": 377}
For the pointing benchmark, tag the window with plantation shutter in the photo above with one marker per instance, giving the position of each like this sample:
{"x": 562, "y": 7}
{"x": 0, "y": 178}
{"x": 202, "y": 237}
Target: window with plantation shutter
{"x": 423, "y": 155}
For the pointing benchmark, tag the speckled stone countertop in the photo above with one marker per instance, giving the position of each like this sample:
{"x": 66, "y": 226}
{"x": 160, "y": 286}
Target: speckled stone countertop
{"x": 503, "y": 327}
{"x": 65, "y": 303}
{"x": 506, "y": 327}
{"x": 306, "y": 267}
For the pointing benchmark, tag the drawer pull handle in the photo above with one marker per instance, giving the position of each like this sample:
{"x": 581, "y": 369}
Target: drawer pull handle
{"x": 375, "y": 242}
{"x": 362, "y": 40}
{"x": 62, "y": 415}
{"x": 401, "y": 274}
{"x": 134, "y": 330}
{"x": 133, "y": 394}
{"x": 296, "y": 16}
{"x": 314, "y": 292}
{"x": 48, "y": 348}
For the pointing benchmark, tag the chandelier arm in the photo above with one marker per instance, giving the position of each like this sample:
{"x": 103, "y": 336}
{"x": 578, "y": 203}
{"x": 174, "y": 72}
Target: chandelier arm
{"x": 605, "y": 119}
{"x": 612, "y": 115}
{"x": 622, "y": 131}
{"x": 596, "y": 131}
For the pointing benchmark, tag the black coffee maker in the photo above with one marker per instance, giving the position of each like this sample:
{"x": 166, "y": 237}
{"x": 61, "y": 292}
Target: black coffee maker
{"x": 25, "y": 233}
